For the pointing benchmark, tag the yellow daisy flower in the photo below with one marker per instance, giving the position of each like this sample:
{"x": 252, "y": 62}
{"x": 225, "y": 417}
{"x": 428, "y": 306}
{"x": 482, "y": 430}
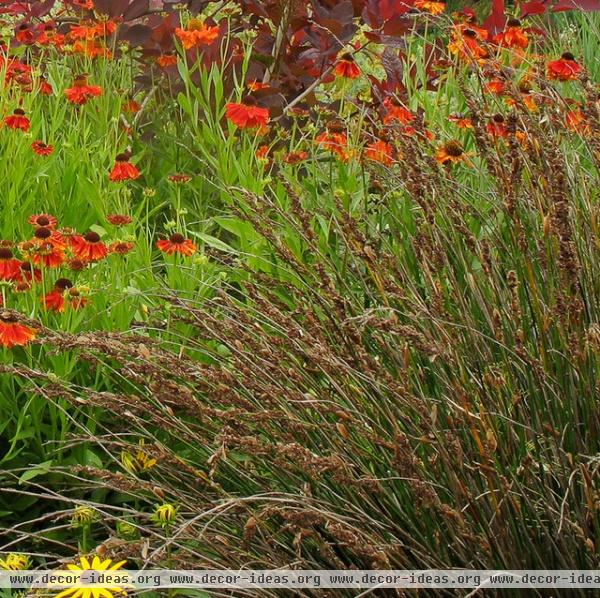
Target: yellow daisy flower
{"x": 96, "y": 564}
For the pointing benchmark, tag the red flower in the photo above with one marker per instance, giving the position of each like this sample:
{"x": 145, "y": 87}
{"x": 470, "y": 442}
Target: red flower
{"x": 565, "y": 68}
{"x": 496, "y": 126}
{"x": 9, "y": 265}
{"x": 45, "y": 88}
{"x": 346, "y": 67}
{"x": 25, "y": 34}
{"x": 167, "y": 60}
{"x": 12, "y": 333}
{"x": 119, "y": 219}
{"x": 121, "y": 247}
{"x": 496, "y": 86}
{"x": 176, "y": 243}
{"x": 247, "y": 115}
{"x": 17, "y": 120}
{"x": 43, "y": 220}
{"x": 81, "y": 92}
{"x": 513, "y": 37}
{"x": 89, "y": 247}
{"x": 29, "y": 273}
{"x": 41, "y": 148}
{"x": 55, "y": 299}
{"x": 123, "y": 170}
{"x": 132, "y": 107}
{"x": 179, "y": 178}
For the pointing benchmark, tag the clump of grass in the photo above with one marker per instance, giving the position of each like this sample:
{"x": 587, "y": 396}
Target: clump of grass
{"x": 410, "y": 386}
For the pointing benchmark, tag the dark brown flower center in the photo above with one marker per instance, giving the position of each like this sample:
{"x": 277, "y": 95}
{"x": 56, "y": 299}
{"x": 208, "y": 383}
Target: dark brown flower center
{"x": 498, "y": 118}
{"x": 453, "y": 148}
{"x": 568, "y": 56}
{"x": 42, "y": 233}
{"x": 92, "y": 237}
{"x": 177, "y": 238}
{"x": 63, "y": 283}
{"x": 19, "y": 112}
{"x": 513, "y": 23}
{"x": 5, "y": 253}
{"x": 42, "y": 220}
{"x": 122, "y": 158}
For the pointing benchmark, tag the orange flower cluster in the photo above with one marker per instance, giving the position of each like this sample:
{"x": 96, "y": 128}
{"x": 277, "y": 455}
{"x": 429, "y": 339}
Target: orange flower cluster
{"x": 49, "y": 259}
{"x": 197, "y": 34}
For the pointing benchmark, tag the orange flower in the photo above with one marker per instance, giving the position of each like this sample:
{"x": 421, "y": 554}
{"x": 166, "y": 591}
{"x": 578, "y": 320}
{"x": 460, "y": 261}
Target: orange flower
{"x": 131, "y": 107}
{"x": 176, "y": 243}
{"x": 17, "y": 120}
{"x": 256, "y": 85}
{"x": 451, "y": 153}
{"x": 577, "y": 121}
{"x": 380, "y": 151}
{"x": 123, "y": 170}
{"x": 12, "y": 333}
{"x": 247, "y": 115}
{"x": 466, "y": 43}
{"x": 347, "y": 67}
{"x": 565, "y": 68}
{"x": 395, "y": 111}
{"x": 262, "y": 152}
{"x": 461, "y": 121}
{"x": 513, "y": 37}
{"x": 43, "y": 220}
{"x": 295, "y": 157}
{"x": 45, "y": 234}
{"x": 166, "y": 60}
{"x": 119, "y": 219}
{"x": 496, "y": 86}
{"x": 81, "y": 92}
{"x": 89, "y": 247}
{"x": 41, "y": 148}
{"x": 9, "y": 265}
{"x": 435, "y": 8}
{"x": 197, "y": 34}
{"x": 336, "y": 143}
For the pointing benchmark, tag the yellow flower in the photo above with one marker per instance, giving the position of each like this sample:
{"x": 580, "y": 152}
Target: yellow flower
{"x": 15, "y": 562}
{"x": 96, "y": 564}
{"x": 139, "y": 462}
{"x": 83, "y": 516}
{"x": 164, "y": 514}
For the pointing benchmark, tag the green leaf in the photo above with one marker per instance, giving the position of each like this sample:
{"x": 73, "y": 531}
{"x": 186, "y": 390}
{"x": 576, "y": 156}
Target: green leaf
{"x": 41, "y": 469}
{"x": 214, "y": 242}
